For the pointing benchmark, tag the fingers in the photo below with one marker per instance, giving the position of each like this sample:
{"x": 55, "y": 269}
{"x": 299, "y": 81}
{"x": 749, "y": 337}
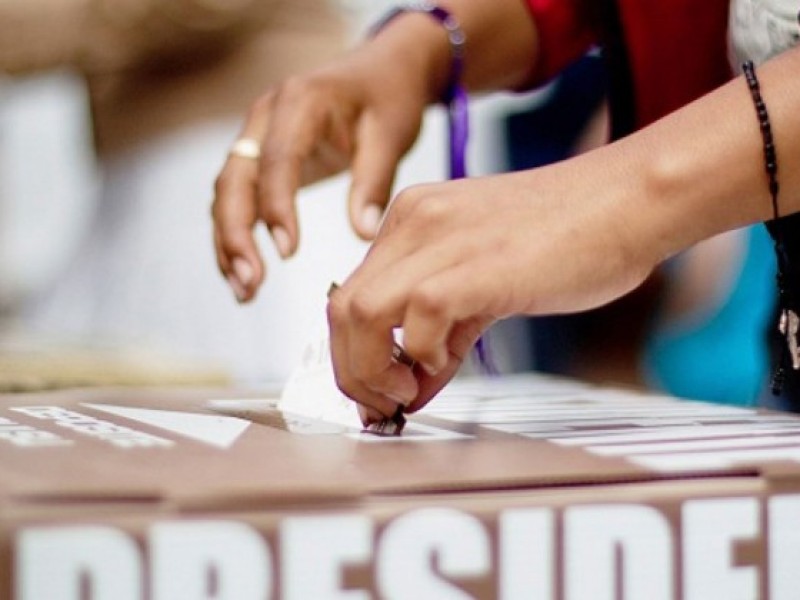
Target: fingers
{"x": 235, "y": 212}
{"x": 369, "y": 415}
{"x": 245, "y": 270}
{"x": 303, "y": 136}
{"x": 442, "y": 306}
{"x": 395, "y": 383}
{"x": 462, "y": 338}
{"x": 437, "y": 304}
{"x": 294, "y": 132}
{"x": 374, "y": 166}
{"x": 234, "y": 217}
{"x": 308, "y": 128}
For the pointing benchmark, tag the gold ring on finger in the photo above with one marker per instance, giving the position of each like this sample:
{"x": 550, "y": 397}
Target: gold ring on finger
{"x": 246, "y": 148}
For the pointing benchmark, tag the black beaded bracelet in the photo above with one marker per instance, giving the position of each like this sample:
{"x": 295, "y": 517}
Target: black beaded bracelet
{"x": 770, "y": 160}
{"x": 789, "y": 322}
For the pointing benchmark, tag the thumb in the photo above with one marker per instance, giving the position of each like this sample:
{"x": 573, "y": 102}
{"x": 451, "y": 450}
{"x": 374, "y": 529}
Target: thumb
{"x": 374, "y": 167}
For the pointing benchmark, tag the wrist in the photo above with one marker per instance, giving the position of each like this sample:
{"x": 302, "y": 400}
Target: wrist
{"x": 693, "y": 194}
{"x": 414, "y": 48}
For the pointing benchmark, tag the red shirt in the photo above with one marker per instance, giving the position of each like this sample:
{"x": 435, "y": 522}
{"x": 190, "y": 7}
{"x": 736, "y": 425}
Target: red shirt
{"x": 677, "y": 49}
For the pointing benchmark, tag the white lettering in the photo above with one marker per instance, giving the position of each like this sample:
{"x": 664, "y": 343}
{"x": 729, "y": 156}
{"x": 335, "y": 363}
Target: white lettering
{"x": 527, "y": 546}
{"x": 24, "y": 436}
{"x": 412, "y": 543}
{"x": 57, "y": 562}
{"x": 209, "y": 560}
{"x": 117, "y": 435}
{"x": 609, "y": 552}
{"x": 314, "y": 550}
{"x": 710, "y": 528}
{"x": 601, "y": 542}
{"x": 784, "y": 547}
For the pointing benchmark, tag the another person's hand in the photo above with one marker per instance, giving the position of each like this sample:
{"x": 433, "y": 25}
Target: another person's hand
{"x": 364, "y": 112}
{"x": 452, "y": 258}
{"x": 356, "y": 114}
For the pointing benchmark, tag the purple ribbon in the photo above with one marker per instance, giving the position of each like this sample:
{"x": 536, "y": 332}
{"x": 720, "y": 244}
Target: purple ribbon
{"x": 458, "y": 118}
{"x": 457, "y": 102}
{"x": 458, "y": 122}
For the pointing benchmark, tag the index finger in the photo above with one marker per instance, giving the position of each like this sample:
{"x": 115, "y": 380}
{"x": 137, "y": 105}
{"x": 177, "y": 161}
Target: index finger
{"x": 375, "y": 402}
{"x": 300, "y": 122}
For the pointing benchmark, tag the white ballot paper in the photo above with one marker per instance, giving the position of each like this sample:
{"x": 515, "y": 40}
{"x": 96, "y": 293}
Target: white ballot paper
{"x": 312, "y": 403}
{"x": 311, "y": 390}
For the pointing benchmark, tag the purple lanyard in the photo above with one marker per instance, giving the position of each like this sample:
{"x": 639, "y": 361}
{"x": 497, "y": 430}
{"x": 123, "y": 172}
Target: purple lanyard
{"x": 458, "y": 118}
{"x": 455, "y": 96}
{"x": 457, "y": 102}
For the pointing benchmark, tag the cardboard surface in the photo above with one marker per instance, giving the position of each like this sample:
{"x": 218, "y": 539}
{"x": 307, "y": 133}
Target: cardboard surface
{"x": 514, "y": 487}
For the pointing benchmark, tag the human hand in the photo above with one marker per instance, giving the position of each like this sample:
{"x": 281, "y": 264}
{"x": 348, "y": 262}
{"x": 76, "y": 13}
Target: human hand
{"x": 452, "y": 258}
{"x": 352, "y": 114}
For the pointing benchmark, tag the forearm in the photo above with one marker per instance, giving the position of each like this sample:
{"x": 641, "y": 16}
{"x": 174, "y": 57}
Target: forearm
{"x": 701, "y": 170}
{"x": 499, "y": 53}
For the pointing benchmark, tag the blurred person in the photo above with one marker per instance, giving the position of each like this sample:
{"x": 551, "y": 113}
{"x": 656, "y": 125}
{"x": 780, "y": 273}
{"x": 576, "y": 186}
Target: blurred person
{"x": 450, "y": 259}
{"x": 714, "y": 317}
{"x": 168, "y": 81}
{"x": 44, "y": 127}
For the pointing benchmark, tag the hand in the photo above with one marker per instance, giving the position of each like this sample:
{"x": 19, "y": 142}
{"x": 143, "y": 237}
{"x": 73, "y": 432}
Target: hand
{"x": 452, "y": 258}
{"x": 357, "y": 114}
{"x": 364, "y": 112}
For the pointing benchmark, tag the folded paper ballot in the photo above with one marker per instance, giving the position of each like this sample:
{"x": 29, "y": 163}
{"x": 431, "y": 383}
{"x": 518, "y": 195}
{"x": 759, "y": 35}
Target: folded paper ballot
{"x": 310, "y": 402}
{"x": 311, "y": 390}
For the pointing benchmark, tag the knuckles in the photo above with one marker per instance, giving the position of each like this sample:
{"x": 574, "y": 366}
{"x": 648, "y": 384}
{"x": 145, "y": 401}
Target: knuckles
{"x": 222, "y": 184}
{"x": 429, "y": 302}
{"x": 296, "y": 87}
{"x": 430, "y": 308}
{"x": 233, "y": 240}
{"x": 407, "y": 199}
{"x": 261, "y": 105}
{"x": 277, "y": 152}
{"x": 364, "y": 310}
{"x": 360, "y": 308}
{"x": 273, "y": 212}
{"x": 422, "y": 204}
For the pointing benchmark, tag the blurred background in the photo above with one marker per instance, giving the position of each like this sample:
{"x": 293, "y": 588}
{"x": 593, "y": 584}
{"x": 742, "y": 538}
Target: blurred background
{"x": 115, "y": 118}
{"x": 109, "y": 144}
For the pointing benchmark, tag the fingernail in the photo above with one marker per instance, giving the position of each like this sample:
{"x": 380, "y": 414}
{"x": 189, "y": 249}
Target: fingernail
{"x": 371, "y": 219}
{"x": 429, "y": 369}
{"x": 399, "y": 399}
{"x": 237, "y": 287}
{"x": 368, "y": 415}
{"x": 282, "y": 242}
{"x": 244, "y": 272}
{"x": 388, "y": 427}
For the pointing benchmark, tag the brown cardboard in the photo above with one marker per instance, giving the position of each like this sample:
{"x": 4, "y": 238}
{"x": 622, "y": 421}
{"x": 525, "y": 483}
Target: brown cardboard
{"x": 97, "y": 504}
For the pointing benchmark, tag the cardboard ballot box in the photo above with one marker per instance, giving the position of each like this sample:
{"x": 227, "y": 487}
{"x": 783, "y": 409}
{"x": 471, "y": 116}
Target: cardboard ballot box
{"x": 509, "y": 487}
